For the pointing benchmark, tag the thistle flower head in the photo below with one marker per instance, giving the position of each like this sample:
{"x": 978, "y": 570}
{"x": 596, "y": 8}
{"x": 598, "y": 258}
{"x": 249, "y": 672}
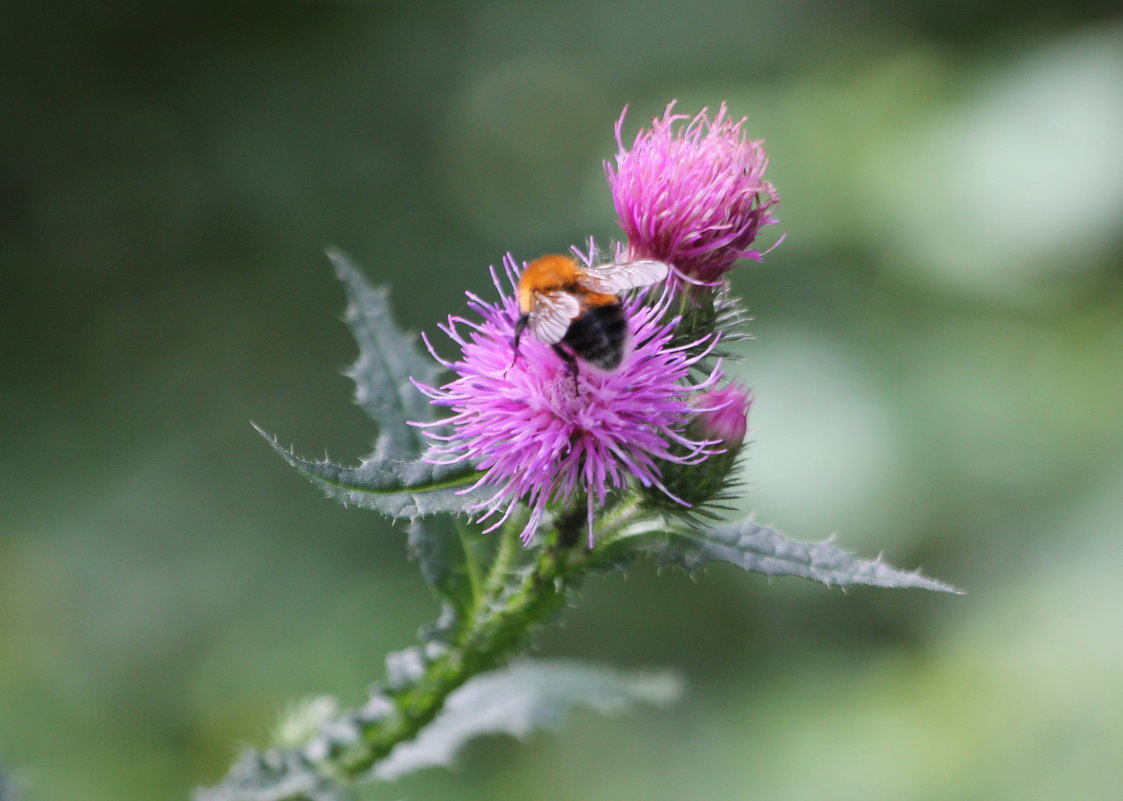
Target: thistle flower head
{"x": 692, "y": 195}
{"x": 542, "y": 436}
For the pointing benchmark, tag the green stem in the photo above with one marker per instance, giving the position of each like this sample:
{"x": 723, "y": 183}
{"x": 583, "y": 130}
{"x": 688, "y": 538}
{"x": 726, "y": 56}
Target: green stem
{"x": 501, "y": 626}
{"x": 619, "y": 517}
{"x": 497, "y": 576}
{"x": 471, "y": 562}
{"x": 523, "y": 589}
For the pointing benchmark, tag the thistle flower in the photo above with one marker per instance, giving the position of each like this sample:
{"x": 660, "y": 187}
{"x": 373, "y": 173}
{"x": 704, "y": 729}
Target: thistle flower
{"x": 693, "y": 196}
{"x": 544, "y": 438}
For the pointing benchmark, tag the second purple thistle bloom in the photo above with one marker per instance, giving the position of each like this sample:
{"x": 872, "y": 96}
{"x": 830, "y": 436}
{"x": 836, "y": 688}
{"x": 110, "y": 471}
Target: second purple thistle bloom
{"x": 542, "y": 438}
{"x": 691, "y": 192}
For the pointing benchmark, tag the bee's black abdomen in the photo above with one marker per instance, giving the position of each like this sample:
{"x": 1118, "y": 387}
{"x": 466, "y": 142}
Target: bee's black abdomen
{"x": 597, "y": 336}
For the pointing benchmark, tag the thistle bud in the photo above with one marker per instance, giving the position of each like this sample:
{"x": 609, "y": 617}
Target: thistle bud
{"x": 720, "y": 416}
{"x": 723, "y": 414}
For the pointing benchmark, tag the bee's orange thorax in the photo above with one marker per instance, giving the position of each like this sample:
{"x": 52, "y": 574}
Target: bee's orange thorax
{"x": 590, "y": 298}
{"x": 546, "y": 274}
{"x": 556, "y": 273}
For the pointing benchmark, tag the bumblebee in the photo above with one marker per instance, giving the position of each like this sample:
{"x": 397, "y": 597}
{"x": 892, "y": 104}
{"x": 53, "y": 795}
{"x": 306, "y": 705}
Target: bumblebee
{"x": 577, "y": 309}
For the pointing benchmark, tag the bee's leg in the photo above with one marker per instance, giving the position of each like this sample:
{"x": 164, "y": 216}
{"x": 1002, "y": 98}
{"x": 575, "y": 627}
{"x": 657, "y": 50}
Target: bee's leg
{"x": 571, "y": 364}
{"x": 520, "y": 326}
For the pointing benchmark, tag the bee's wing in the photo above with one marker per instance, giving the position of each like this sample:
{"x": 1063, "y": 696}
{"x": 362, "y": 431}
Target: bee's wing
{"x": 551, "y": 314}
{"x": 612, "y": 279}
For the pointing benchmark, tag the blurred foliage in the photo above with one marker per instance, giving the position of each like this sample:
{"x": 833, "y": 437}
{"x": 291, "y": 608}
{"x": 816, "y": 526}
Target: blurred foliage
{"x": 937, "y": 369}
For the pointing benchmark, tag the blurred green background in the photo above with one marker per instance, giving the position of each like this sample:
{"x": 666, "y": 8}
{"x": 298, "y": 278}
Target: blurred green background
{"x": 938, "y": 365}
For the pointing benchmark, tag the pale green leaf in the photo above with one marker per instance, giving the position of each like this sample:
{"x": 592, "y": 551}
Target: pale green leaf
{"x": 388, "y": 359}
{"x": 275, "y": 775}
{"x": 519, "y": 699}
{"x": 400, "y": 489}
{"x": 762, "y": 550}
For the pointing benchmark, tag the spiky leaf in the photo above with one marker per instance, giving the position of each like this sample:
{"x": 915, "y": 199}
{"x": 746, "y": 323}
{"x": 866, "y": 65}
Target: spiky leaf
{"x": 399, "y": 489}
{"x": 762, "y": 550}
{"x": 519, "y": 699}
{"x": 275, "y": 775}
{"x": 388, "y": 358}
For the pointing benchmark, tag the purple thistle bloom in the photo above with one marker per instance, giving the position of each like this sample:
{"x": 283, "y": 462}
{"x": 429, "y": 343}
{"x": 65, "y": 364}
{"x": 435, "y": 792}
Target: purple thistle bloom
{"x": 694, "y": 197}
{"x": 542, "y": 440}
